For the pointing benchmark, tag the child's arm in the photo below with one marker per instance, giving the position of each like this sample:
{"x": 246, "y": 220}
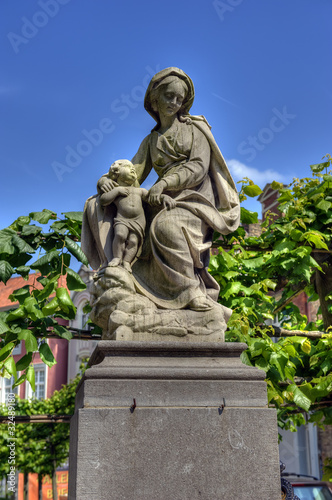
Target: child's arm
{"x": 110, "y": 196}
{"x": 144, "y": 194}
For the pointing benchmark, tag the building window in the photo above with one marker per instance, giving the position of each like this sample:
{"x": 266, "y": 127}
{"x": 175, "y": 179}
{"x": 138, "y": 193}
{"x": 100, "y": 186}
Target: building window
{"x": 40, "y": 383}
{"x": 83, "y": 318}
{"x": 7, "y": 388}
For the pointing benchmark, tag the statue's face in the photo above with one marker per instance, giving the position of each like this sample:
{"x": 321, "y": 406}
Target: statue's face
{"x": 127, "y": 174}
{"x": 170, "y": 98}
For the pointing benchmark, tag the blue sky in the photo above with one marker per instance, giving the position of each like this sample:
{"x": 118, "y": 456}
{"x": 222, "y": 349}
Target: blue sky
{"x": 73, "y": 75}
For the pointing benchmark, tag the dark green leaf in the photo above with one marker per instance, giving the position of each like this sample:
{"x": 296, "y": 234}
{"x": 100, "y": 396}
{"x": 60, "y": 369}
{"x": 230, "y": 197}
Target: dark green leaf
{"x": 76, "y": 216}
{"x": 6, "y": 351}
{"x": 16, "y": 314}
{"x": 285, "y": 245}
{"x": 87, "y": 308}
{"x": 30, "y": 376}
{"x": 296, "y": 235}
{"x": 318, "y": 167}
{"x": 62, "y": 332}
{"x": 20, "y": 380}
{"x": 270, "y": 284}
{"x": 279, "y": 360}
{"x": 31, "y": 230}
{"x": 60, "y": 226}
{"x": 49, "y": 287}
{"x": 277, "y": 185}
{"x": 43, "y": 217}
{"x": 51, "y": 307}
{"x": 24, "y": 362}
{"x": 286, "y": 195}
{"x": 23, "y": 220}
{"x": 299, "y": 397}
{"x": 11, "y": 367}
{"x": 252, "y": 263}
{"x": 316, "y": 239}
{"x": 324, "y": 205}
{"x": 245, "y": 358}
{"x": 45, "y": 259}
{"x": 23, "y": 271}
{"x": 74, "y": 281}
{"x": 22, "y": 245}
{"x": 65, "y": 302}
{"x": 76, "y": 251}
{"x": 4, "y": 328}
{"x": 46, "y": 355}
{"x": 6, "y": 246}
{"x": 232, "y": 288}
{"x": 31, "y": 306}
{"x": 248, "y": 217}
{"x": 6, "y": 271}
{"x": 20, "y": 294}
{"x": 31, "y": 344}
{"x": 252, "y": 190}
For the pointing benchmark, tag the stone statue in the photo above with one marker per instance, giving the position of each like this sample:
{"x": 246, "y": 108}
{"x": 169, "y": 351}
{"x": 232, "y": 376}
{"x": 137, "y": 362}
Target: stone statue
{"x": 169, "y": 291}
{"x": 129, "y": 223}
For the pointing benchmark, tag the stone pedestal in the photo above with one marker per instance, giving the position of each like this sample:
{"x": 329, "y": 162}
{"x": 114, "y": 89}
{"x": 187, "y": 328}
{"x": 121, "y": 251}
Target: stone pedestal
{"x": 172, "y": 421}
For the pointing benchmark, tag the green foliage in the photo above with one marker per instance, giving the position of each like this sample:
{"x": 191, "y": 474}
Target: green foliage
{"x": 259, "y": 277}
{"x": 327, "y": 470}
{"x": 40, "y": 447}
{"x": 26, "y": 248}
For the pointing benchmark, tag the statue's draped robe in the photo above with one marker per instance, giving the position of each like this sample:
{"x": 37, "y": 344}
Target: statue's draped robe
{"x": 172, "y": 269}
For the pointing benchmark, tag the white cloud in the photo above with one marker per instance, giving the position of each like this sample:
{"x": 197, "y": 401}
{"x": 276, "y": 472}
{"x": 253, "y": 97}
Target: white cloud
{"x": 240, "y": 170}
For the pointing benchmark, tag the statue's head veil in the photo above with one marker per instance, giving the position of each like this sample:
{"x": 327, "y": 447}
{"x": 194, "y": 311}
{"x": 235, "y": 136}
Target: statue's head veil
{"x": 158, "y": 79}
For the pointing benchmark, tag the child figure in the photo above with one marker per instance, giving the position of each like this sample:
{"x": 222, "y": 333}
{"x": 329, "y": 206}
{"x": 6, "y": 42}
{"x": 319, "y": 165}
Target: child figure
{"x": 129, "y": 223}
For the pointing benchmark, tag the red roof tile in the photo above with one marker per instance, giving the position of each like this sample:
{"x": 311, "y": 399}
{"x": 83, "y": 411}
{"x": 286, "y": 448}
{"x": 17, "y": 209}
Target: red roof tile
{"x": 19, "y": 282}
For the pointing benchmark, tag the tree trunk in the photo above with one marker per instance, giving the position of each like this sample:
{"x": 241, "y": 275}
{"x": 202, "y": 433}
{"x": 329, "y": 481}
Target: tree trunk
{"x": 26, "y": 487}
{"x": 40, "y": 487}
{"x": 54, "y": 485}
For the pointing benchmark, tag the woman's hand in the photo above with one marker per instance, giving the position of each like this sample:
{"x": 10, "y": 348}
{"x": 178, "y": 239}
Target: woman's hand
{"x": 105, "y": 185}
{"x": 168, "y": 202}
{"x": 154, "y": 196}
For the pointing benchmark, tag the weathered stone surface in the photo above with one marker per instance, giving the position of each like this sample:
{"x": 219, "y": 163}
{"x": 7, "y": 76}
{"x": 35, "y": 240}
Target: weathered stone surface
{"x": 177, "y": 454}
{"x": 162, "y": 237}
{"x": 178, "y": 443}
{"x": 126, "y": 315}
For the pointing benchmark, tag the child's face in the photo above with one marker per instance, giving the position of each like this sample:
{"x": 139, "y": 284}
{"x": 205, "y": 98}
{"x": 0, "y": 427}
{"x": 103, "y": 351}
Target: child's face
{"x": 127, "y": 174}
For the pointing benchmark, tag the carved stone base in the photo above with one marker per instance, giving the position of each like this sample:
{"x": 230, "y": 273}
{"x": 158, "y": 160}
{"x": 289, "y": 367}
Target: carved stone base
{"x": 126, "y": 315}
{"x": 173, "y": 421}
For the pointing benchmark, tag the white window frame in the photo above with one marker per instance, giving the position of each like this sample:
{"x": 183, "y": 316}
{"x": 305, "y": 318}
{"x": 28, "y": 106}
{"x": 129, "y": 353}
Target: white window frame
{"x": 28, "y": 389}
{"x": 81, "y": 317}
{"x": 5, "y": 384}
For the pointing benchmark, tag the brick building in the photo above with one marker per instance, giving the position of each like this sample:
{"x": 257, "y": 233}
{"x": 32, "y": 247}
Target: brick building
{"x": 47, "y": 379}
